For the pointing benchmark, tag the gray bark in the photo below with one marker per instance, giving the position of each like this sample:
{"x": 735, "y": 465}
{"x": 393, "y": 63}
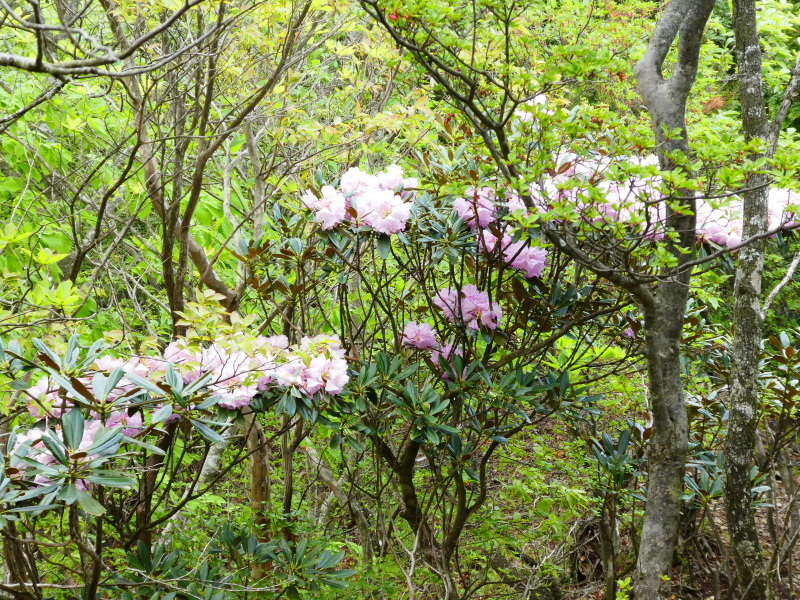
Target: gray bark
{"x": 208, "y": 471}
{"x": 666, "y": 102}
{"x": 747, "y": 319}
{"x": 356, "y": 511}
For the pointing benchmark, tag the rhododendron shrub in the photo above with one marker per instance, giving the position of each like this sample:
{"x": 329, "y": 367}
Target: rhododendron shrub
{"x": 107, "y": 435}
{"x": 453, "y": 313}
{"x": 104, "y": 407}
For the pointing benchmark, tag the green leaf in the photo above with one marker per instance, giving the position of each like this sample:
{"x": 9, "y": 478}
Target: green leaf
{"x": 88, "y": 504}
{"x": 112, "y": 481}
{"x": 41, "y": 467}
{"x": 53, "y": 444}
{"x": 78, "y": 398}
{"x": 208, "y": 403}
{"x": 33, "y": 509}
{"x": 145, "y": 384}
{"x": 73, "y": 428}
{"x": 143, "y": 553}
{"x": 44, "y": 349}
{"x": 107, "y": 439}
{"x": 162, "y": 414}
{"x": 208, "y": 433}
{"x": 69, "y": 493}
{"x": 384, "y": 246}
{"x": 143, "y": 444}
{"x": 37, "y": 492}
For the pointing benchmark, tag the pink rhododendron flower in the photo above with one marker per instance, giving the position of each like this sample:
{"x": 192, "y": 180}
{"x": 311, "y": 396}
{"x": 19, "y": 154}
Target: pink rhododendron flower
{"x": 383, "y": 211}
{"x": 355, "y": 181}
{"x": 447, "y": 353}
{"x": 179, "y": 353}
{"x": 264, "y": 383}
{"x": 234, "y": 380}
{"x": 528, "y": 259}
{"x": 234, "y": 395}
{"x": 392, "y": 179}
{"x": 420, "y": 335}
{"x": 447, "y": 299}
{"x": 335, "y": 376}
{"x": 108, "y": 363}
{"x": 327, "y": 344}
{"x": 330, "y": 209}
{"x": 32, "y": 437}
{"x": 478, "y": 209}
{"x": 213, "y": 358}
{"x": 235, "y": 376}
{"x": 130, "y": 423}
{"x": 515, "y": 203}
{"x": 637, "y": 199}
{"x": 275, "y": 342}
{"x": 325, "y": 373}
{"x": 289, "y": 373}
{"x": 470, "y": 306}
{"x": 375, "y": 199}
{"x": 519, "y": 255}
{"x": 49, "y": 404}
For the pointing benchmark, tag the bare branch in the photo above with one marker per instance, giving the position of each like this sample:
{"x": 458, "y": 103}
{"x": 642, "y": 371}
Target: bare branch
{"x": 781, "y": 284}
{"x": 789, "y": 94}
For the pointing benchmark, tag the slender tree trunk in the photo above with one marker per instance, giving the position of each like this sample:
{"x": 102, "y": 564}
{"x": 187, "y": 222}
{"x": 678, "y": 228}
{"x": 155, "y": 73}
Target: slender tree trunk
{"x": 260, "y": 485}
{"x": 666, "y": 102}
{"x": 260, "y": 476}
{"x": 609, "y": 543}
{"x": 351, "y": 504}
{"x": 209, "y": 469}
{"x": 19, "y": 566}
{"x": 747, "y": 319}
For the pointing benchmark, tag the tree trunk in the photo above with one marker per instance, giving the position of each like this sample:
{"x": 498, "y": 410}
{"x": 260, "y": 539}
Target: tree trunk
{"x": 260, "y": 476}
{"x": 666, "y": 102}
{"x": 669, "y": 441}
{"x": 260, "y": 485}
{"x": 747, "y": 323}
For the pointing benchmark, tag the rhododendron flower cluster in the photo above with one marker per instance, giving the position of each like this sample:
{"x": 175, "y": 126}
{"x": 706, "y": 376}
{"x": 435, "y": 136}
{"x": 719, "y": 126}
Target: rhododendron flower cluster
{"x": 423, "y": 337}
{"x": 233, "y": 376}
{"x": 478, "y": 209}
{"x": 317, "y": 364}
{"x": 236, "y": 376}
{"x": 519, "y": 255}
{"x": 528, "y": 113}
{"x": 470, "y": 306}
{"x": 637, "y": 200}
{"x": 381, "y": 202}
{"x": 230, "y": 375}
{"x": 330, "y": 209}
{"x": 420, "y": 335}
